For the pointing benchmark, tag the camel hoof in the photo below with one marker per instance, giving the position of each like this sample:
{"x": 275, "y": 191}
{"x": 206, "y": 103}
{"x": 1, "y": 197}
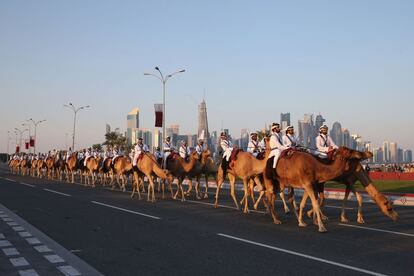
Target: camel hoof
{"x": 205, "y": 196}
{"x": 276, "y": 221}
{"x": 322, "y": 229}
{"x": 246, "y": 211}
{"x": 324, "y": 218}
{"x": 309, "y": 213}
{"x": 302, "y": 224}
{"x": 360, "y": 220}
{"x": 287, "y": 211}
{"x": 344, "y": 220}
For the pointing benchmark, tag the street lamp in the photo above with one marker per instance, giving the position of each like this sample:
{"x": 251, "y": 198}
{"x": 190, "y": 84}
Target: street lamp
{"x": 35, "y": 134}
{"x": 75, "y": 111}
{"x": 20, "y": 133}
{"x": 29, "y": 128}
{"x": 163, "y": 81}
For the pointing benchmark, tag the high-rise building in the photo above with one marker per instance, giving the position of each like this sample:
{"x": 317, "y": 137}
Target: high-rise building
{"x": 132, "y": 124}
{"x": 284, "y": 120}
{"x": 146, "y": 135}
{"x": 377, "y": 155}
{"x": 346, "y": 138}
{"x": 107, "y": 128}
{"x": 157, "y": 138}
{"x": 393, "y": 152}
{"x": 400, "y": 155}
{"x": 336, "y": 134}
{"x": 408, "y": 156}
{"x": 244, "y": 139}
{"x": 319, "y": 121}
{"x": 307, "y": 133}
{"x": 203, "y": 123}
{"x": 173, "y": 131}
{"x": 386, "y": 151}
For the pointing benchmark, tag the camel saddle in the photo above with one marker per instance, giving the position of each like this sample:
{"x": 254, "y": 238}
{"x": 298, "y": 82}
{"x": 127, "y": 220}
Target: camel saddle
{"x": 233, "y": 156}
{"x": 172, "y": 156}
{"x": 287, "y": 153}
{"x": 260, "y": 155}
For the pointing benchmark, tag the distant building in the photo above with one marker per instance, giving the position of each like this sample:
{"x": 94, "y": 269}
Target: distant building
{"x": 306, "y": 131}
{"x": 377, "y": 155}
{"x": 393, "y": 152}
{"x": 319, "y": 121}
{"x": 244, "y": 139}
{"x": 336, "y": 134}
{"x": 203, "y": 123}
{"x": 386, "y": 151}
{"x": 284, "y": 120}
{"x": 408, "y": 156}
{"x": 173, "y": 131}
{"x": 157, "y": 138}
{"x": 400, "y": 156}
{"x": 132, "y": 124}
{"x": 346, "y": 138}
{"x": 146, "y": 135}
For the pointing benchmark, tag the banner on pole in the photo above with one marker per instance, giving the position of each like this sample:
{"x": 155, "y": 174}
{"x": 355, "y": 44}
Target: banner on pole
{"x": 32, "y": 141}
{"x": 17, "y": 149}
{"x": 158, "y": 114}
{"x": 26, "y": 144}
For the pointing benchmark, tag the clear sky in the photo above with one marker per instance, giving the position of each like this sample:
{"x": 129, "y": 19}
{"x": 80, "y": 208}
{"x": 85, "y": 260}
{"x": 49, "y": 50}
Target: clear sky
{"x": 352, "y": 61}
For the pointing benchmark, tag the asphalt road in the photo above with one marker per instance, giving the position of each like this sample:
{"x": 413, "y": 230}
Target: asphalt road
{"x": 118, "y": 235}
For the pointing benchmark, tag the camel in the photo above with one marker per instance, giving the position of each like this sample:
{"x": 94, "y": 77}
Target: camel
{"x": 349, "y": 178}
{"x": 122, "y": 166}
{"x": 50, "y": 164}
{"x": 147, "y": 166}
{"x": 92, "y": 167}
{"x": 178, "y": 168}
{"x": 196, "y": 173}
{"x": 106, "y": 170}
{"x": 302, "y": 170}
{"x": 24, "y": 166}
{"x": 33, "y": 167}
{"x": 72, "y": 165}
{"x": 209, "y": 169}
{"x": 14, "y": 166}
{"x": 41, "y": 164}
{"x": 246, "y": 167}
{"x": 59, "y": 166}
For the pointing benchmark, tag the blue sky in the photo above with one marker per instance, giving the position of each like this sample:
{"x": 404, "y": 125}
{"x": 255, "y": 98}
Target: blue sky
{"x": 352, "y": 61}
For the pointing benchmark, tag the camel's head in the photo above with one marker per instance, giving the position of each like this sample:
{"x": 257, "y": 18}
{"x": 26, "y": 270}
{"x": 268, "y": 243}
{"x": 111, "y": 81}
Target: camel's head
{"x": 386, "y": 206}
{"x": 194, "y": 155}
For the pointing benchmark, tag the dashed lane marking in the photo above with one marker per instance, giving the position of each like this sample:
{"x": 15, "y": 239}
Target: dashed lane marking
{"x": 20, "y": 261}
{"x": 24, "y": 234}
{"x": 5, "y": 243}
{"x": 18, "y": 228}
{"x": 33, "y": 241}
{"x": 68, "y": 270}
{"x": 28, "y": 272}
{"x": 54, "y": 259}
{"x": 1, "y": 236}
{"x": 302, "y": 255}
{"x": 11, "y": 180}
{"x": 125, "y": 210}
{"x": 42, "y": 248}
{"x": 56, "y": 192}
{"x": 26, "y": 184}
{"x": 12, "y": 223}
{"x": 377, "y": 230}
{"x": 10, "y": 251}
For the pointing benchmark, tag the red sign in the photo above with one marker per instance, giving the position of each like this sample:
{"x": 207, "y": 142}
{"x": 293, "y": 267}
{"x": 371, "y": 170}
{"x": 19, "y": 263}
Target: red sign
{"x": 32, "y": 141}
{"x": 26, "y": 145}
{"x": 17, "y": 149}
{"x": 158, "y": 114}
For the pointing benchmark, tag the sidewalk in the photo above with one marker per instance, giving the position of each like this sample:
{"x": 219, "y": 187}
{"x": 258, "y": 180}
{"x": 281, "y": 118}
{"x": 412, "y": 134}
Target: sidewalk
{"x": 26, "y": 251}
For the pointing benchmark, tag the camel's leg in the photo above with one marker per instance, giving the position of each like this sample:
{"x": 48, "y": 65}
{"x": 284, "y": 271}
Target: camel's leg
{"x": 262, "y": 192}
{"x": 246, "y": 195}
{"x": 344, "y": 219}
{"x": 301, "y": 207}
{"x": 270, "y": 198}
{"x": 292, "y": 201}
{"x": 233, "y": 189}
{"x": 282, "y": 197}
{"x": 220, "y": 181}
{"x": 197, "y": 187}
{"x": 190, "y": 187}
{"x": 315, "y": 205}
{"x": 206, "y": 188}
{"x": 162, "y": 186}
{"x": 360, "y": 218}
{"x": 182, "y": 190}
{"x": 151, "y": 188}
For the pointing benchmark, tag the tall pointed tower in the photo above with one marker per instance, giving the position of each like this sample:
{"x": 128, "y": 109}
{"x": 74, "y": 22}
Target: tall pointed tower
{"x": 203, "y": 123}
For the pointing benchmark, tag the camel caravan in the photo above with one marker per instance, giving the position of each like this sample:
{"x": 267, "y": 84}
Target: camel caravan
{"x": 276, "y": 163}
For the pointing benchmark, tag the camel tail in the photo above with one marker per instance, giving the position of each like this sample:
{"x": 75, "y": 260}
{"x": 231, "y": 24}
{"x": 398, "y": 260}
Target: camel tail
{"x": 159, "y": 172}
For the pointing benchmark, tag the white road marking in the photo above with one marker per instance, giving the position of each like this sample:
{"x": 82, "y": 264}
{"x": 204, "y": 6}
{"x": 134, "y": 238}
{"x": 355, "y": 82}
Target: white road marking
{"x": 68, "y": 270}
{"x": 125, "y": 210}
{"x": 54, "y": 259}
{"x": 26, "y": 184}
{"x": 303, "y": 255}
{"x": 1, "y": 236}
{"x": 56, "y": 192}
{"x": 5, "y": 243}
{"x": 12, "y": 180}
{"x": 223, "y": 206}
{"x": 24, "y": 234}
{"x": 18, "y": 228}
{"x": 21, "y": 261}
{"x": 42, "y": 248}
{"x": 4, "y": 216}
{"x": 28, "y": 272}
{"x": 12, "y": 223}
{"x": 33, "y": 241}
{"x": 378, "y": 230}
{"x": 10, "y": 251}
{"x": 7, "y": 219}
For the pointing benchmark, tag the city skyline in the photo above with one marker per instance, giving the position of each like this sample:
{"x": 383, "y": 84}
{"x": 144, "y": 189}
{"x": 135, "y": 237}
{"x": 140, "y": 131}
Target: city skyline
{"x": 303, "y": 59}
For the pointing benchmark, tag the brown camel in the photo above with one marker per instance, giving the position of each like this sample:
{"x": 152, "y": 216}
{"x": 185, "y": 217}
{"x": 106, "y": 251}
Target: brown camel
{"x": 72, "y": 165}
{"x": 33, "y": 167}
{"x": 92, "y": 167}
{"x": 106, "y": 170}
{"x": 210, "y": 169}
{"x": 122, "y": 166}
{"x": 50, "y": 164}
{"x": 302, "y": 170}
{"x": 24, "y": 166}
{"x": 147, "y": 166}
{"x": 196, "y": 173}
{"x": 41, "y": 165}
{"x": 60, "y": 166}
{"x": 178, "y": 168}
{"x": 14, "y": 166}
{"x": 246, "y": 167}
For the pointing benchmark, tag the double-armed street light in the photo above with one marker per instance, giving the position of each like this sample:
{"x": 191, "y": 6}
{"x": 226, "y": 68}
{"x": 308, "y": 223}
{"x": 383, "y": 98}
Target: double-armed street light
{"x": 20, "y": 132}
{"x": 35, "y": 123}
{"x": 163, "y": 81}
{"x": 75, "y": 111}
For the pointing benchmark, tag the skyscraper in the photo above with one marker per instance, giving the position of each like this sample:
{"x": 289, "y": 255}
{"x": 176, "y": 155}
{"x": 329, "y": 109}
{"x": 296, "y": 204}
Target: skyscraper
{"x": 132, "y": 124}
{"x": 203, "y": 123}
{"x": 336, "y": 134}
{"x": 393, "y": 152}
{"x": 284, "y": 120}
{"x": 346, "y": 138}
{"x": 386, "y": 151}
{"x": 319, "y": 121}
{"x": 408, "y": 156}
{"x": 400, "y": 155}
{"x": 306, "y": 133}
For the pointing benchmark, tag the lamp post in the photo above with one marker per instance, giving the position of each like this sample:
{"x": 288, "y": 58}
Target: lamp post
{"x": 75, "y": 111}
{"x": 35, "y": 132}
{"x": 20, "y": 133}
{"x": 163, "y": 81}
{"x": 29, "y": 129}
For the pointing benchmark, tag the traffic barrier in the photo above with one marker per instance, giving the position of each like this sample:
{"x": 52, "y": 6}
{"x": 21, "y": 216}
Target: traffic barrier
{"x": 391, "y": 176}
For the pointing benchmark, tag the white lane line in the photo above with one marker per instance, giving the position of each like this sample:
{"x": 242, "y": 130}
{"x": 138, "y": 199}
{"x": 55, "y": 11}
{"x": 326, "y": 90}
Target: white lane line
{"x": 378, "y": 230}
{"x": 68, "y": 270}
{"x": 33, "y": 241}
{"x": 10, "y": 180}
{"x": 26, "y": 184}
{"x": 2, "y": 236}
{"x": 21, "y": 261}
{"x": 125, "y": 210}
{"x": 54, "y": 259}
{"x": 303, "y": 255}
{"x": 28, "y": 272}
{"x": 223, "y": 206}
{"x": 56, "y": 192}
{"x": 5, "y": 243}
{"x": 42, "y": 248}
{"x": 10, "y": 251}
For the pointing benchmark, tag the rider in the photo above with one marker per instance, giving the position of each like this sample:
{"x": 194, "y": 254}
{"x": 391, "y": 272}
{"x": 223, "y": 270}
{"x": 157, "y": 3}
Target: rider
{"x": 139, "y": 149}
{"x": 68, "y": 153}
{"x": 158, "y": 155}
{"x": 200, "y": 147}
{"x": 88, "y": 155}
{"x": 253, "y": 146}
{"x": 226, "y": 146}
{"x": 184, "y": 150}
{"x": 290, "y": 140}
{"x": 324, "y": 142}
{"x": 276, "y": 143}
{"x": 167, "y": 148}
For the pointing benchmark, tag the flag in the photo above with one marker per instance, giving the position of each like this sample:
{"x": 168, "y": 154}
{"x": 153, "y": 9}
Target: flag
{"x": 32, "y": 141}
{"x": 17, "y": 149}
{"x": 26, "y": 144}
{"x": 158, "y": 114}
